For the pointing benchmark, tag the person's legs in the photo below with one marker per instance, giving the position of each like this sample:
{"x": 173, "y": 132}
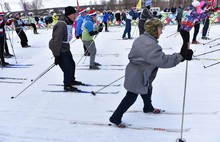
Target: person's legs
{"x": 129, "y": 31}
{"x": 148, "y": 107}
{"x": 22, "y": 37}
{"x": 34, "y": 28}
{"x": 127, "y": 101}
{"x": 2, "y": 50}
{"x": 185, "y": 36}
{"x": 68, "y": 68}
{"x": 90, "y": 45}
{"x": 196, "y": 31}
{"x": 205, "y": 28}
{"x": 127, "y": 26}
{"x": 106, "y": 26}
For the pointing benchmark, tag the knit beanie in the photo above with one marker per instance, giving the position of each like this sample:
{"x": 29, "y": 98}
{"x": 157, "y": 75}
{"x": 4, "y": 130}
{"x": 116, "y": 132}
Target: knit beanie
{"x": 69, "y": 10}
{"x": 148, "y": 3}
{"x": 195, "y": 3}
{"x": 151, "y": 26}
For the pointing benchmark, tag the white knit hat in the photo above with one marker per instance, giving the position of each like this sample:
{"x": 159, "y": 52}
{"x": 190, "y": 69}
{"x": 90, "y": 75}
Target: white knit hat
{"x": 195, "y": 3}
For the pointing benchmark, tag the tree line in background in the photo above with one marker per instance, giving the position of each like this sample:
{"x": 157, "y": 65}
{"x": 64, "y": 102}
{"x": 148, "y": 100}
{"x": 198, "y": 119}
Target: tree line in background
{"x": 35, "y": 5}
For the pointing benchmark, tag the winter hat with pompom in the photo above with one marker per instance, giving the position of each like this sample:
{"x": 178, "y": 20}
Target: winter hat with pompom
{"x": 195, "y": 3}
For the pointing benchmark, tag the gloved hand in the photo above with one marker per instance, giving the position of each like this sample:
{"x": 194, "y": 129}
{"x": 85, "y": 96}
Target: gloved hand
{"x": 79, "y": 36}
{"x": 57, "y": 60}
{"x": 187, "y": 54}
{"x": 100, "y": 25}
{"x": 100, "y": 29}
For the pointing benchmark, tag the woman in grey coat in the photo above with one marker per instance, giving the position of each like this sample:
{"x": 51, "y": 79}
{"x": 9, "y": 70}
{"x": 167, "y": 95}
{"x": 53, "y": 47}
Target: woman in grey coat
{"x": 146, "y": 56}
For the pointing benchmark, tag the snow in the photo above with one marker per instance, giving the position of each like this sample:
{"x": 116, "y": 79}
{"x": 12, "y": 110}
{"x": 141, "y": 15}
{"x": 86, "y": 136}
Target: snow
{"x": 36, "y": 116}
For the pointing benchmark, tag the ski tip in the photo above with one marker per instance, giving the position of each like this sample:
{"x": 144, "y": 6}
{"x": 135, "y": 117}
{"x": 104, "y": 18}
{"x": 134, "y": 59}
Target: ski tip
{"x": 215, "y": 112}
{"x": 93, "y": 93}
{"x": 12, "y": 97}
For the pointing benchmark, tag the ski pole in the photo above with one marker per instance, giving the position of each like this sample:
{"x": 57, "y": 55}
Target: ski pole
{"x": 12, "y": 47}
{"x": 87, "y": 49}
{"x": 73, "y": 41}
{"x": 211, "y": 41}
{"x": 207, "y": 53}
{"x": 94, "y": 93}
{"x": 211, "y": 65}
{"x": 172, "y": 34}
{"x": 183, "y": 109}
{"x": 214, "y": 45}
{"x": 89, "y": 45}
{"x": 33, "y": 81}
{"x": 134, "y": 30}
{"x": 176, "y": 34}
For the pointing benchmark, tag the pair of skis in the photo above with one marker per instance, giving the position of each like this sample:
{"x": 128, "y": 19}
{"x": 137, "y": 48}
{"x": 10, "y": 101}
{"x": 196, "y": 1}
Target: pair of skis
{"x": 83, "y": 91}
{"x": 7, "y": 80}
{"x": 130, "y": 126}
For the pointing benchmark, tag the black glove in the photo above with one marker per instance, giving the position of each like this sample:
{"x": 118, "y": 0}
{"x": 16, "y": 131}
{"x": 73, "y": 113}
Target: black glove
{"x": 100, "y": 25}
{"x": 187, "y": 54}
{"x": 79, "y": 36}
{"x": 100, "y": 29}
{"x": 57, "y": 60}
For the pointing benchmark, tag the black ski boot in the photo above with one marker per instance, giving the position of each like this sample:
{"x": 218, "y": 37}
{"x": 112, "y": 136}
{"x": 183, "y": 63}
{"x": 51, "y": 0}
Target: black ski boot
{"x": 69, "y": 88}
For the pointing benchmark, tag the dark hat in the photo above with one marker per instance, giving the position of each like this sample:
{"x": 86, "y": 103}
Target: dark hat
{"x": 69, "y": 10}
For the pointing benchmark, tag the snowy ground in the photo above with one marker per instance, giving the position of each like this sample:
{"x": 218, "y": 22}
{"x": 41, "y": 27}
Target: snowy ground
{"x": 36, "y": 116}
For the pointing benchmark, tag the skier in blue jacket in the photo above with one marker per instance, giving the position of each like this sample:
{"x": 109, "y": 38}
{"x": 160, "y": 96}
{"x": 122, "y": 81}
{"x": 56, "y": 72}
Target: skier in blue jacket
{"x": 79, "y": 30}
{"x": 129, "y": 17}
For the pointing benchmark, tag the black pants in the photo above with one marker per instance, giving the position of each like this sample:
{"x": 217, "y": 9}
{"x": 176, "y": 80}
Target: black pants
{"x": 196, "y": 31}
{"x": 141, "y": 26}
{"x": 2, "y": 43}
{"x": 179, "y": 25}
{"x": 185, "y": 36}
{"x": 22, "y": 36}
{"x": 6, "y": 46}
{"x": 34, "y": 28}
{"x": 205, "y": 27}
{"x": 128, "y": 101}
{"x": 106, "y": 26}
{"x": 68, "y": 67}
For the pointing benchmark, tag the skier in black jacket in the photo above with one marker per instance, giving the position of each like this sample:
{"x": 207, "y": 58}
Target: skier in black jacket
{"x": 145, "y": 15}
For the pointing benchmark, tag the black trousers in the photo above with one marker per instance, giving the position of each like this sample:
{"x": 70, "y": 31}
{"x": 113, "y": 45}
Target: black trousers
{"x": 196, "y": 31}
{"x": 128, "y": 101}
{"x": 2, "y": 42}
{"x": 106, "y": 26}
{"x": 68, "y": 67}
{"x": 205, "y": 27}
{"x": 185, "y": 36}
{"x": 34, "y": 28}
{"x": 22, "y": 36}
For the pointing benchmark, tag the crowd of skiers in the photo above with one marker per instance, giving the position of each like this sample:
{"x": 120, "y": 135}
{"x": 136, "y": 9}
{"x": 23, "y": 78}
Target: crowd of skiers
{"x": 146, "y": 55}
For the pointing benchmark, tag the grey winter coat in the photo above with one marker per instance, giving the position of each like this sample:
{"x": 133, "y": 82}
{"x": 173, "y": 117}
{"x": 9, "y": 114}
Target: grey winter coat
{"x": 146, "y": 56}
